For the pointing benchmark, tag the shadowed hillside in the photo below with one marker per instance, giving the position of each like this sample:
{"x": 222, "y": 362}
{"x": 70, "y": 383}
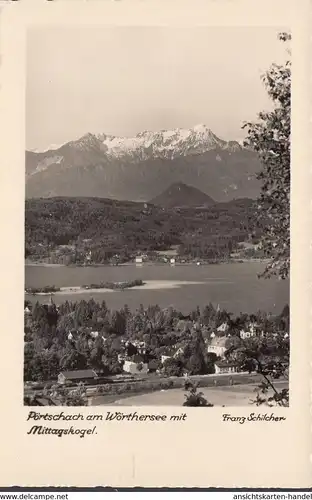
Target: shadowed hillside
{"x": 181, "y": 195}
{"x": 69, "y": 228}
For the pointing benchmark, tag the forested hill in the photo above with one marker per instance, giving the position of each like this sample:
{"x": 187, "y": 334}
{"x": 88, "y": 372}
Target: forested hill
{"x": 181, "y": 195}
{"x": 66, "y": 230}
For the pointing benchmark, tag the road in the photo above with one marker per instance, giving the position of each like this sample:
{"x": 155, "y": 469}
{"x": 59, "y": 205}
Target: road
{"x": 214, "y": 379}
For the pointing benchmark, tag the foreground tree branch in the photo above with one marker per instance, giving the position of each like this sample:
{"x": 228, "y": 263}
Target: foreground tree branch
{"x": 270, "y": 137}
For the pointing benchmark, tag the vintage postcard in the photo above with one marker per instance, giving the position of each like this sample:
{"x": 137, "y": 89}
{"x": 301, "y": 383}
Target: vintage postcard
{"x": 155, "y": 193}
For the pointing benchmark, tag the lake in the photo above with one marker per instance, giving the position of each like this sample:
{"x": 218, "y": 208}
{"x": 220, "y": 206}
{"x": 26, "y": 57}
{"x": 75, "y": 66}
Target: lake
{"x": 234, "y": 286}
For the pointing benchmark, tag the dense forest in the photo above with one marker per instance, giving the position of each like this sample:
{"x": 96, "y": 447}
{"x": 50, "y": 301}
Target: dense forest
{"x": 76, "y": 230}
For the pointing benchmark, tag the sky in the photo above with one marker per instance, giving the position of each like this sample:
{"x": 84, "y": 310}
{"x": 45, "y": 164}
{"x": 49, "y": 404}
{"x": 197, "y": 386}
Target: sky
{"x": 124, "y": 80}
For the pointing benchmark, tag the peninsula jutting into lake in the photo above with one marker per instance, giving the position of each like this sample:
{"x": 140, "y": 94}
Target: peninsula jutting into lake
{"x": 48, "y": 290}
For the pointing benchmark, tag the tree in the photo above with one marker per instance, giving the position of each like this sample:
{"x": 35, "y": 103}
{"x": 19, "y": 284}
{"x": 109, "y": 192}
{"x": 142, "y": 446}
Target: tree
{"x": 193, "y": 397}
{"x": 194, "y": 357}
{"x": 96, "y": 354}
{"x": 110, "y": 361}
{"x": 195, "y": 364}
{"x": 77, "y": 397}
{"x": 118, "y": 322}
{"x": 173, "y": 367}
{"x": 71, "y": 397}
{"x": 270, "y": 138}
{"x": 208, "y": 314}
{"x": 211, "y": 360}
{"x": 131, "y": 350}
{"x": 268, "y": 356}
{"x": 72, "y": 360}
{"x": 29, "y": 353}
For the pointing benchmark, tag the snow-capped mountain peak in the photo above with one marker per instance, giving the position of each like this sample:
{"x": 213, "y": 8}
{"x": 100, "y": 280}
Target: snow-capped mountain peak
{"x": 202, "y": 129}
{"x": 86, "y": 141}
{"x": 167, "y": 144}
{"x": 144, "y": 165}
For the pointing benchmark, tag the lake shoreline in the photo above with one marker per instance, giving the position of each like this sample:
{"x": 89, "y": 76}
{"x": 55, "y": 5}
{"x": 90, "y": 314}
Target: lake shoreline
{"x": 156, "y": 264}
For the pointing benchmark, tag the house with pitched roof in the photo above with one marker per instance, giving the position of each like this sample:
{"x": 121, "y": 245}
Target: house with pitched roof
{"x": 226, "y": 367}
{"x": 223, "y": 327}
{"x": 76, "y": 376}
{"x": 217, "y": 346}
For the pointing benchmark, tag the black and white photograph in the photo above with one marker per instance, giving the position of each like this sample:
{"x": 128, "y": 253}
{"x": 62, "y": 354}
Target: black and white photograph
{"x": 157, "y": 216}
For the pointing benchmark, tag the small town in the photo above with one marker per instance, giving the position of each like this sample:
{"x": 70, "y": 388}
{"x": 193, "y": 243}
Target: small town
{"x": 83, "y": 350}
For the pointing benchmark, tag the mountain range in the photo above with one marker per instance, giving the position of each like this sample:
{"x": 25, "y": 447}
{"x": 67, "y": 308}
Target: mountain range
{"x": 141, "y": 167}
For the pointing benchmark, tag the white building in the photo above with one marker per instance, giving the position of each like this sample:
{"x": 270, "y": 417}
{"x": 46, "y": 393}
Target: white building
{"x": 140, "y": 346}
{"x": 223, "y": 328}
{"x": 225, "y": 367}
{"x": 132, "y": 367}
{"x": 217, "y": 346}
{"x": 179, "y": 352}
{"x": 172, "y": 354}
{"x": 244, "y": 335}
{"x": 172, "y": 262}
{"x": 139, "y": 260}
{"x": 165, "y": 357}
{"x": 251, "y": 332}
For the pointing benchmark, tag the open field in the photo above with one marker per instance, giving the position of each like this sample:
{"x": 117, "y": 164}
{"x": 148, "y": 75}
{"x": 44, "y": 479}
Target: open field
{"x": 227, "y": 396}
{"x": 238, "y": 395}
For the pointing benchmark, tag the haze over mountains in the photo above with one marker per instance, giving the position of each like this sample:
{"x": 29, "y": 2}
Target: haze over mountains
{"x": 142, "y": 167}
